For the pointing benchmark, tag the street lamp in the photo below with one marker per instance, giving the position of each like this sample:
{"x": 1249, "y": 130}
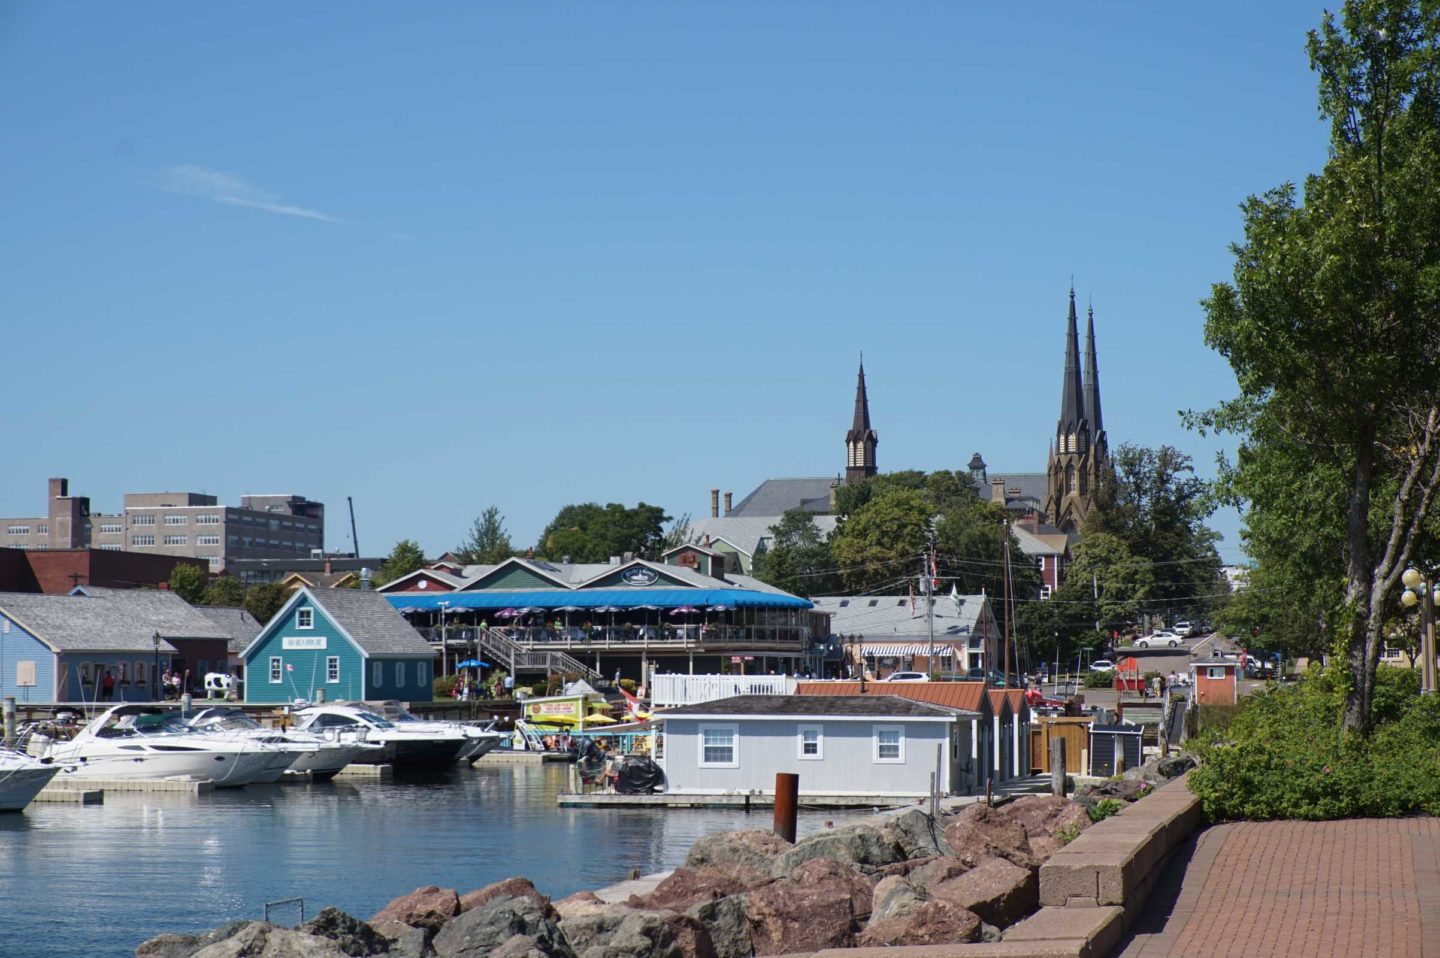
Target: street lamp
{"x": 155, "y": 669}
{"x": 1420, "y": 591}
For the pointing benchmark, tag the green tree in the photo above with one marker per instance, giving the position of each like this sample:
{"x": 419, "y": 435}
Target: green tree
{"x": 1332, "y": 324}
{"x": 798, "y": 558}
{"x": 225, "y": 590}
{"x": 488, "y": 543}
{"x": 405, "y": 558}
{"x": 590, "y": 532}
{"x": 264, "y": 599}
{"x": 881, "y": 542}
{"x": 188, "y": 581}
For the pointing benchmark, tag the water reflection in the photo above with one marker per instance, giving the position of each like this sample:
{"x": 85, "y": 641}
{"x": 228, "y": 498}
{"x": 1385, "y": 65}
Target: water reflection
{"x": 97, "y": 880}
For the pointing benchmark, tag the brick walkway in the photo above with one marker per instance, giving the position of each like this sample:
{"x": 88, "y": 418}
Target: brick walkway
{"x": 1307, "y": 889}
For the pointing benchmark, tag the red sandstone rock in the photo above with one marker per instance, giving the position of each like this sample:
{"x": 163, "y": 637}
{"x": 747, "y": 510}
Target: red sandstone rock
{"x": 507, "y": 888}
{"x": 981, "y": 832}
{"x": 937, "y": 922}
{"x": 999, "y": 891}
{"x": 428, "y": 907}
{"x": 686, "y": 887}
{"x": 817, "y": 906}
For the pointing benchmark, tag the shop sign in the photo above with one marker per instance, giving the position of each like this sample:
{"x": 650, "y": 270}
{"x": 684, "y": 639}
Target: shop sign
{"x": 303, "y": 642}
{"x": 639, "y": 575}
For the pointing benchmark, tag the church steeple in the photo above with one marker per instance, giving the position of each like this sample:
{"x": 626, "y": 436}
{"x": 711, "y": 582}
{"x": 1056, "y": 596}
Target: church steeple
{"x": 1071, "y": 432}
{"x": 1092, "y": 382}
{"x": 861, "y": 440}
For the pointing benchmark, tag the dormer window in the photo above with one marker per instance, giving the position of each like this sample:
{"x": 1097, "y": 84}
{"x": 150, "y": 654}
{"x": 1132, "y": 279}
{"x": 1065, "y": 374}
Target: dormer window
{"x": 305, "y": 619}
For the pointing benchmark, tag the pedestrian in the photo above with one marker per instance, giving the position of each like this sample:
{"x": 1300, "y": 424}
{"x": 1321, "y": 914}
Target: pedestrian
{"x": 509, "y": 686}
{"x": 617, "y": 678}
{"x": 107, "y": 686}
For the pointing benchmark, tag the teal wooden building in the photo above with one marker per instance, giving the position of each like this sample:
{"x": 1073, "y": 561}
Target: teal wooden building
{"x": 348, "y": 644}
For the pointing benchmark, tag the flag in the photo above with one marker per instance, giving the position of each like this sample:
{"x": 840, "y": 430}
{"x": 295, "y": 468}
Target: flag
{"x": 912, "y": 600}
{"x": 632, "y": 705}
{"x": 289, "y": 667}
{"x": 934, "y": 573}
{"x": 955, "y": 597}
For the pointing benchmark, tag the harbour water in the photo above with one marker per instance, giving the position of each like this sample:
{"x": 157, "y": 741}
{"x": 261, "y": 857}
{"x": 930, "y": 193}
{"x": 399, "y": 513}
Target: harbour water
{"x": 95, "y": 881}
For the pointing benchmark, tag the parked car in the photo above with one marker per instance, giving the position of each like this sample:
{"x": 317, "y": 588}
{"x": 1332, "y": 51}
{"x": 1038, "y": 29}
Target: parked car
{"x": 1102, "y": 665}
{"x": 907, "y": 677}
{"x": 1162, "y": 638}
{"x": 1184, "y": 627}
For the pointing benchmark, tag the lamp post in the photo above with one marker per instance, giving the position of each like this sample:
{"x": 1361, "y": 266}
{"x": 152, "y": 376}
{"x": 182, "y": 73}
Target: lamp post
{"x": 155, "y": 668}
{"x": 444, "y": 607}
{"x": 1420, "y": 590}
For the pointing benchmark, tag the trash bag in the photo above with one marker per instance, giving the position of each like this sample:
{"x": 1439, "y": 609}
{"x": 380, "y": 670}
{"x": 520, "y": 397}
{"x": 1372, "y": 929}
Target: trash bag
{"x": 638, "y": 775}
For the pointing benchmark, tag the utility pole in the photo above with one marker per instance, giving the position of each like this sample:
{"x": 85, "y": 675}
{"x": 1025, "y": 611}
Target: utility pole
{"x": 1006, "y": 586}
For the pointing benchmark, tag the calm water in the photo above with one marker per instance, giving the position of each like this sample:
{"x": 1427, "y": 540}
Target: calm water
{"x": 89, "y": 881}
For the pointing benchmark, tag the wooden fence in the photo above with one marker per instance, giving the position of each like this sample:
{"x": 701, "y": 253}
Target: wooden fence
{"x": 1075, "y": 732}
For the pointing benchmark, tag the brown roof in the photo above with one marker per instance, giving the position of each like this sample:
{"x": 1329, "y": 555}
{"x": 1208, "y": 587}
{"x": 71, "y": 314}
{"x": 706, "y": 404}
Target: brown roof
{"x": 1016, "y": 697}
{"x": 955, "y": 695}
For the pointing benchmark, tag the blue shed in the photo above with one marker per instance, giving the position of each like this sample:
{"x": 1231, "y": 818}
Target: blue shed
{"x": 351, "y": 644}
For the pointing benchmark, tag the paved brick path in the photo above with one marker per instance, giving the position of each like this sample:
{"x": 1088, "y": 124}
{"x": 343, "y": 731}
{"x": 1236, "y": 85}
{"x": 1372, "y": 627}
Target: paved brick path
{"x": 1307, "y": 889}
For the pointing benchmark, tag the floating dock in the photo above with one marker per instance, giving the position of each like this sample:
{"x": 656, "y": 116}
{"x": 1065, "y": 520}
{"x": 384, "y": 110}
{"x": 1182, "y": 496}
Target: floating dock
{"x": 70, "y": 796}
{"x": 501, "y": 756}
{"x": 365, "y": 773}
{"x": 741, "y": 802}
{"x": 181, "y": 786}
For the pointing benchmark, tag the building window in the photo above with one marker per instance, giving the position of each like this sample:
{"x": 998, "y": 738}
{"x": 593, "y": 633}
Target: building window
{"x": 43, "y": 529}
{"x": 1215, "y": 672}
{"x": 215, "y": 561}
{"x": 422, "y": 674}
{"x": 1044, "y": 592}
{"x": 146, "y": 520}
{"x": 719, "y": 746}
{"x": 207, "y": 519}
{"x": 399, "y": 673}
{"x": 274, "y": 670}
{"x": 377, "y": 676}
{"x": 812, "y": 742}
{"x": 124, "y": 677}
{"x": 139, "y": 673}
{"x": 111, "y": 529}
{"x": 889, "y": 743}
{"x": 305, "y": 619}
{"x": 332, "y": 668}
{"x": 18, "y": 530}
{"x": 207, "y": 540}
{"x": 111, "y": 546}
{"x": 176, "y": 540}
{"x": 179, "y": 520}
{"x": 142, "y": 540}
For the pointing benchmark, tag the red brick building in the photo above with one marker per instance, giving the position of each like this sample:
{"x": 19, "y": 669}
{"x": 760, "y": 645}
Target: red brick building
{"x": 57, "y": 571}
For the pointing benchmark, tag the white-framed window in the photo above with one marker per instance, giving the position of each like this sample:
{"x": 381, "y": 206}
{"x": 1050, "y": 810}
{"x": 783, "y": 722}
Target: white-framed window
{"x": 1215, "y": 672}
{"x": 812, "y": 742}
{"x": 1045, "y": 592}
{"x": 176, "y": 540}
{"x": 139, "y": 672}
{"x": 332, "y": 668}
{"x": 377, "y": 674}
{"x": 145, "y": 520}
{"x": 207, "y": 540}
{"x": 111, "y": 529}
{"x": 142, "y": 540}
{"x": 890, "y": 743}
{"x": 111, "y": 547}
{"x": 179, "y": 520}
{"x": 399, "y": 673}
{"x": 215, "y": 561}
{"x": 720, "y": 746}
{"x": 124, "y": 670}
{"x": 304, "y": 618}
{"x": 206, "y": 519}
{"x": 275, "y": 669}
{"x": 43, "y": 529}
{"x": 18, "y": 530}
{"x": 422, "y": 674}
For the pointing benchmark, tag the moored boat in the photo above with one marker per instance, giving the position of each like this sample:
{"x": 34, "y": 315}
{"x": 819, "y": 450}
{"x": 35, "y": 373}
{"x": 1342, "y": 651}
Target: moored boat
{"x": 21, "y": 778}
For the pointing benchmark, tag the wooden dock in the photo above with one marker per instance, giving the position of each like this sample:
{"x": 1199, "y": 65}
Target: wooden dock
{"x": 741, "y": 802}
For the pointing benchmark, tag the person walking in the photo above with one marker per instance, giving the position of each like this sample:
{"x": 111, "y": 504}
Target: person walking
{"x": 107, "y": 686}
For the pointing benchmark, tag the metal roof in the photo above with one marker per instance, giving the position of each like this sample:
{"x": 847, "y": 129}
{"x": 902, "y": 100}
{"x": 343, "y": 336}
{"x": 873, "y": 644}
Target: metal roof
{"x": 886, "y": 617}
{"x": 596, "y": 598}
{"x": 969, "y": 696}
{"x": 801, "y": 706}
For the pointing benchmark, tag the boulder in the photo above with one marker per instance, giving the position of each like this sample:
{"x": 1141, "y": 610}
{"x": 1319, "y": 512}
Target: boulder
{"x": 354, "y": 936}
{"x": 261, "y": 940}
{"x": 580, "y": 903}
{"x": 478, "y": 932}
{"x": 818, "y": 906}
{"x": 507, "y": 888}
{"x": 728, "y": 925}
{"x": 869, "y": 845}
{"x": 405, "y": 941}
{"x": 936, "y": 922}
{"x": 979, "y": 832}
{"x": 1123, "y": 789}
{"x": 893, "y": 897}
{"x": 428, "y": 907}
{"x": 183, "y": 946}
{"x": 907, "y": 867}
{"x": 1045, "y": 819}
{"x": 935, "y": 871}
{"x": 1161, "y": 770}
{"x": 623, "y": 932}
{"x": 745, "y": 855}
{"x": 522, "y": 946}
{"x": 998, "y": 891}
{"x": 686, "y": 887}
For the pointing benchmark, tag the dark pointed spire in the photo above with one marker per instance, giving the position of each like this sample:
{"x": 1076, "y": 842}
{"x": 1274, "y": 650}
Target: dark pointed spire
{"x": 861, "y": 440}
{"x": 1092, "y": 380}
{"x": 1072, "y": 401}
{"x": 861, "y": 424}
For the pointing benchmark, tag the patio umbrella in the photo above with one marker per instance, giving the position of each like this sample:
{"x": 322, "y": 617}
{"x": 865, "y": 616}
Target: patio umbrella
{"x": 612, "y": 609}
{"x": 472, "y": 664}
{"x": 507, "y": 613}
{"x": 684, "y": 610}
{"x": 599, "y": 718}
{"x": 567, "y": 609}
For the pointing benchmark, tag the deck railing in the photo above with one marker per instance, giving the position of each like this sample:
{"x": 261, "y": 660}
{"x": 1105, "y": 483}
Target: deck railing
{"x": 668, "y": 691}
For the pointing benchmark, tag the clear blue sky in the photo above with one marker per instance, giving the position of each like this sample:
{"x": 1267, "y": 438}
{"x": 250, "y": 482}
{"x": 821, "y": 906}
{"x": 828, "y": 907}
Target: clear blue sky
{"x": 440, "y": 256}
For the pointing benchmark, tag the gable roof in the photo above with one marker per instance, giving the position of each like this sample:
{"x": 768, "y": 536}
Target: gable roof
{"x": 774, "y": 497}
{"x": 80, "y": 623}
{"x": 968, "y": 696}
{"x": 880, "y": 616}
{"x": 436, "y": 575}
{"x": 166, "y": 612}
{"x": 367, "y": 619}
{"x": 745, "y": 533}
{"x": 239, "y": 625}
{"x": 837, "y": 706}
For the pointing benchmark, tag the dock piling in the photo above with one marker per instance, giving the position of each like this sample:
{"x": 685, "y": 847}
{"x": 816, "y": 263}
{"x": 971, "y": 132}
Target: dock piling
{"x": 787, "y": 800}
{"x": 1057, "y": 766}
{"x": 9, "y": 720}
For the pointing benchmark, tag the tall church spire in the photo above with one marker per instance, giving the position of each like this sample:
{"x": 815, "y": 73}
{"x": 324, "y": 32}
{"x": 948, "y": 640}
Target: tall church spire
{"x": 1072, "y": 399}
{"x": 1092, "y": 381}
{"x": 861, "y": 440}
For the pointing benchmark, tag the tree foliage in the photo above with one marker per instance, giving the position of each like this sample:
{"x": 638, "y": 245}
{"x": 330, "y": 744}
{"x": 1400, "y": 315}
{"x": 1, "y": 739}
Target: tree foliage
{"x": 798, "y": 558}
{"x": 590, "y": 532}
{"x": 882, "y": 541}
{"x": 488, "y": 542}
{"x": 225, "y": 590}
{"x": 1332, "y": 326}
{"x": 188, "y": 581}
{"x": 405, "y": 558}
{"x": 264, "y": 599}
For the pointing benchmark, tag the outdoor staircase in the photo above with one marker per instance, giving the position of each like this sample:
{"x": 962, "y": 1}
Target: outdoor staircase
{"x": 519, "y": 658}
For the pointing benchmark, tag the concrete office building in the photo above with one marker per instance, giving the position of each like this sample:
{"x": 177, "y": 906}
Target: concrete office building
{"x": 186, "y": 524}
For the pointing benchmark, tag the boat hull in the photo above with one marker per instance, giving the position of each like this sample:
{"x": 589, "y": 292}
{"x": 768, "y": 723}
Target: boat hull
{"x": 19, "y": 785}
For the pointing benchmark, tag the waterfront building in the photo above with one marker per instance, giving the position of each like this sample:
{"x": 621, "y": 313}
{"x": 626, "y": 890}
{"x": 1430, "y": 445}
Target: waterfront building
{"x": 882, "y": 745}
{"x": 337, "y": 644}
{"x": 58, "y": 648}
{"x": 57, "y": 571}
{"x": 1216, "y": 681}
{"x": 188, "y": 524}
{"x": 239, "y": 628}
{"x": 891, "y": 633}
{"x": 319, "y": 571}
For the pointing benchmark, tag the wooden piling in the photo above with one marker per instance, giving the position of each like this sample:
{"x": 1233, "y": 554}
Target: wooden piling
{"x": 1057, "y": 766}
{"x": 787, "y": 798}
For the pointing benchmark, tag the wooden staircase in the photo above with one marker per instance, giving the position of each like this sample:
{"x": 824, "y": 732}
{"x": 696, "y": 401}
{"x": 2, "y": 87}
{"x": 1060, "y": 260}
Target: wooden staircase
{"x": 519, "y": 658}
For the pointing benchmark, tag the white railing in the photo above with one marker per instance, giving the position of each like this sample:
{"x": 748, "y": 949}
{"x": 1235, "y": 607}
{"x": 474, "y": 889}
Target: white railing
{"x": 668, "y": 691}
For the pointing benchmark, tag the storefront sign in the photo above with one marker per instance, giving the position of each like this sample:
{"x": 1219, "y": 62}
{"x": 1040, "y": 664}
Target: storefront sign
{"x": 639, "y": 575}
{"x": 537, "y": 709}
{"x": 303, "y": 642}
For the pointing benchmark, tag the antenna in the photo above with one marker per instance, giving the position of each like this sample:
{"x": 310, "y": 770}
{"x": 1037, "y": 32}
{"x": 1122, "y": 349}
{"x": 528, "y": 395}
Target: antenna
{"x": 354, "y": 539}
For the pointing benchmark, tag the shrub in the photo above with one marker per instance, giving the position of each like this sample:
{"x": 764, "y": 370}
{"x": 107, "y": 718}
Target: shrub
{"x": 1099, "y": 680}
{"x": 629, "y": 685}
{"x": 1104, "y": 808}
{"x": 1284, "y": 754}
{"x": 444, "y": 686}
{"x": 1068, "y": 833}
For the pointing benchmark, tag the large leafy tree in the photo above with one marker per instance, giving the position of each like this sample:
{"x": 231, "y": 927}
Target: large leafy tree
{"x": 188, "y": 581}
{"x": 590, "y": 532}
{"x": 798, "y": 559}
{"x": 264, "y": 599}
{"x": 488, "y": 542}
{"x": 880, "y": 544}
{"x": 226, "y": 590}
{"x": 1332, "y": 326}
{"x": 405, "y": 558}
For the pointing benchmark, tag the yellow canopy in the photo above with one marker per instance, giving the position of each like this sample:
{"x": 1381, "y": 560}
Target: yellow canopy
{"x": 599, "y": 720}
{"x": 554, "y": 720}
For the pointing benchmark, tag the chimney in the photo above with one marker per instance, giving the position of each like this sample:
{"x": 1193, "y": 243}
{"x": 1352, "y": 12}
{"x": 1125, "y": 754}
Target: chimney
{"x": 329, "y": 566}
{"x": 365, "y": 584}
{"x": 714, "y": 503}
{"x": 997, "y": 491}
{"x": 834, "y": 495}
{"x": 728, "y": 498}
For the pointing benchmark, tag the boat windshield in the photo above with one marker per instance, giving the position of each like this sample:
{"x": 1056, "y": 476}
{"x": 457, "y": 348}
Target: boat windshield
{"x": 370, "y": 718}
{"x": 156, "y": 723}
{"x": 233, "y": 720}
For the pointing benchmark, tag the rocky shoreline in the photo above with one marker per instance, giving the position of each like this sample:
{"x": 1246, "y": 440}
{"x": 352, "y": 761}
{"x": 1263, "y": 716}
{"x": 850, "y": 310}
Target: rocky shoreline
{"x": 901, "y": 879}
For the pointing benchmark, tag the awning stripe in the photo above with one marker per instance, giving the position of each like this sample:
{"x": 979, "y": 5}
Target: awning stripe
{"x": 941, "y": 650}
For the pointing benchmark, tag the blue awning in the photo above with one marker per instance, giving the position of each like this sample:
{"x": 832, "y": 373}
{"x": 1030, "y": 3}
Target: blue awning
{"x": 595, "y": 598}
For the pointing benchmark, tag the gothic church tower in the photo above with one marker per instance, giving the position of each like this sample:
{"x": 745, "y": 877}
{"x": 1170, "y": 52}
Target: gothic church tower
{"x": 861, "y": 440}
{"x": 1080, "y": 456}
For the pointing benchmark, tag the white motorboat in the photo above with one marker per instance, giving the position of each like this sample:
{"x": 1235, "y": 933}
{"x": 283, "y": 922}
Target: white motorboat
{"x": 322, "y": 757}
{"x": 21, "y": 778}
{"x": 135, "y": 741}
{"x": 408, "y": 746}
{"x": 479, "y": 739}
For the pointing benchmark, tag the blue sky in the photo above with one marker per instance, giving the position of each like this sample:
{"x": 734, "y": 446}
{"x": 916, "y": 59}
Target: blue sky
{"x": 446, "y": 255}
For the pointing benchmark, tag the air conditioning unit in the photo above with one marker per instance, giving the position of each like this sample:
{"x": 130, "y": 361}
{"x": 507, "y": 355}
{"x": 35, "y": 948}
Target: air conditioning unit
{"x": 317, "y": 553}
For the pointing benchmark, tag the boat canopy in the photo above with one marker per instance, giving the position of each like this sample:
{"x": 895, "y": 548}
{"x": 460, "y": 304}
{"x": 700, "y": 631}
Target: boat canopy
{"x": 597, "y": 598}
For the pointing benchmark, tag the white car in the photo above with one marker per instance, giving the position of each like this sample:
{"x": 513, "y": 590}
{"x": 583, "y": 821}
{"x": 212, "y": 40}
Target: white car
{"x": 1102, "y": 665}
{"x": 1184, "y": 627}
{"x": 907, "y": 677}
{"x": 1164, "y": 637}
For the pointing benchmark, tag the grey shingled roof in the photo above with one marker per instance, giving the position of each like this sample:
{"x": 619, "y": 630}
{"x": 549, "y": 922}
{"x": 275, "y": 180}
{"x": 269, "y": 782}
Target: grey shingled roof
{"x": 887, "y": 617}
{"x": 746, "y": 533}
{"x": 1032, "y": 485}
{"x": 126, "y": 623}
{"x": 774, "y": 497}
{"x": 804, "y": 706}
{"x": 239, "y": 625}
{"x": 170, "y": 614}
{"x": 370, "y": 620}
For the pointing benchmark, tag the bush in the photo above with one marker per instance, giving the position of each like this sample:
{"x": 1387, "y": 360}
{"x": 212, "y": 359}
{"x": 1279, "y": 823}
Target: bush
{"x": 444, "y": 686}
{"x": 1284, "y": 754}
{"x": 1104, "y": 808}
{"x": 1099, "y": 680}
{"x": 629, "y": 685}
{"x": 1215, "y": 718}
